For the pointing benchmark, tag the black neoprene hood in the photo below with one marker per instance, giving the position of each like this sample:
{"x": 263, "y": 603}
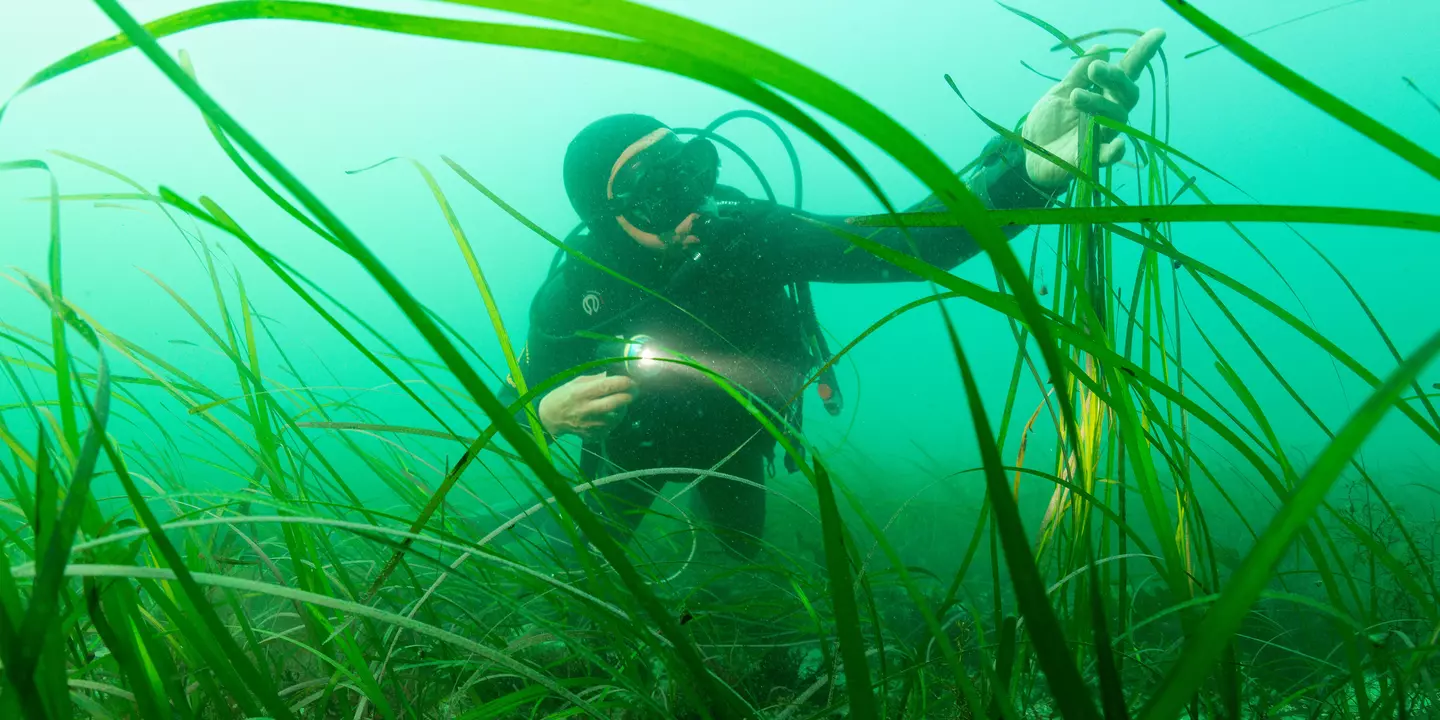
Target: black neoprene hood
{"x": 593, "y": 153}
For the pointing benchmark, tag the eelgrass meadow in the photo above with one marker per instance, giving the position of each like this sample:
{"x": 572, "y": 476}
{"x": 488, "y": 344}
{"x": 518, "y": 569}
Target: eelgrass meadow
{"x": 220, "y": 523}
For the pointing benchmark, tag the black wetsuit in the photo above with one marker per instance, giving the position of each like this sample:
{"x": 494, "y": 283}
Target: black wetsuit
{"x": 742, "y": 321}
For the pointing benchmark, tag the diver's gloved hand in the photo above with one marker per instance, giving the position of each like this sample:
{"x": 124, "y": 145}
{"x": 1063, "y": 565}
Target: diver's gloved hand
{"x": 589, "y": 406}
{"x": 1054, "y": 122}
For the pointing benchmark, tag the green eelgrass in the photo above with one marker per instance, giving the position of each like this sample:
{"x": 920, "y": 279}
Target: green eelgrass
{"x": 442, "y": 345}
{"x": 1150, "y": 214}
{"x": 1310, "y": 92}
{"x": 64, "y": 388}
{"x": 1224, "y": 618}
{"x": 512, "y": 362}
{"x": 680, "y": 46}
{"x": 1429, "y": 100}
{"x": 1131, "y": 401}
{"x": 693, "y": 37}
{"x": 1273, "y": 26}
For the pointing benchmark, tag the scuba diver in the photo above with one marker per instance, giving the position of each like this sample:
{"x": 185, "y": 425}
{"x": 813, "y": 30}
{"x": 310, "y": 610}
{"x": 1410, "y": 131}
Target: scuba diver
{"x": 731, "y": 274}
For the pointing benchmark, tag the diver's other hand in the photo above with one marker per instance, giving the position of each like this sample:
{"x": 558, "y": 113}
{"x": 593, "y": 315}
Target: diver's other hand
{"x": 1054, "y": 122}
{"x": 589, "y": 406}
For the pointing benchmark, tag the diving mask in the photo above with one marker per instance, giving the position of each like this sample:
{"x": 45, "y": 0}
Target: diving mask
{"x": 661, "y": 181}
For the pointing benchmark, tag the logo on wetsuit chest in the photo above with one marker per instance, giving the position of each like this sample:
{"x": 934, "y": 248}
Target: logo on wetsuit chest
{"x": 591, "y": 302}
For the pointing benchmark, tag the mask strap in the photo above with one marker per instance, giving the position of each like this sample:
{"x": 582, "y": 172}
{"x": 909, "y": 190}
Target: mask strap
{"x": 634, "y": 149}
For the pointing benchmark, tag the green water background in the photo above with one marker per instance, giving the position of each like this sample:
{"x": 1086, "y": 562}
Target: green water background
{"x": 326, "y": 100}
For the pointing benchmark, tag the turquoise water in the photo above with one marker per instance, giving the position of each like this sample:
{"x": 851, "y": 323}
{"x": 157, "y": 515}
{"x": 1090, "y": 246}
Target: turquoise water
{"x": 327, "y": 100}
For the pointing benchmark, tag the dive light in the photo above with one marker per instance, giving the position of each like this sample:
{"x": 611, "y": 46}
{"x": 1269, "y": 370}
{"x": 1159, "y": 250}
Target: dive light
{"x": 642, "y": 357}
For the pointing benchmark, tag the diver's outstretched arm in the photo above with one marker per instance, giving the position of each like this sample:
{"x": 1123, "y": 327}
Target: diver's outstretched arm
{"x": 788, "y": 245}
{"x": 792, "y": 246}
